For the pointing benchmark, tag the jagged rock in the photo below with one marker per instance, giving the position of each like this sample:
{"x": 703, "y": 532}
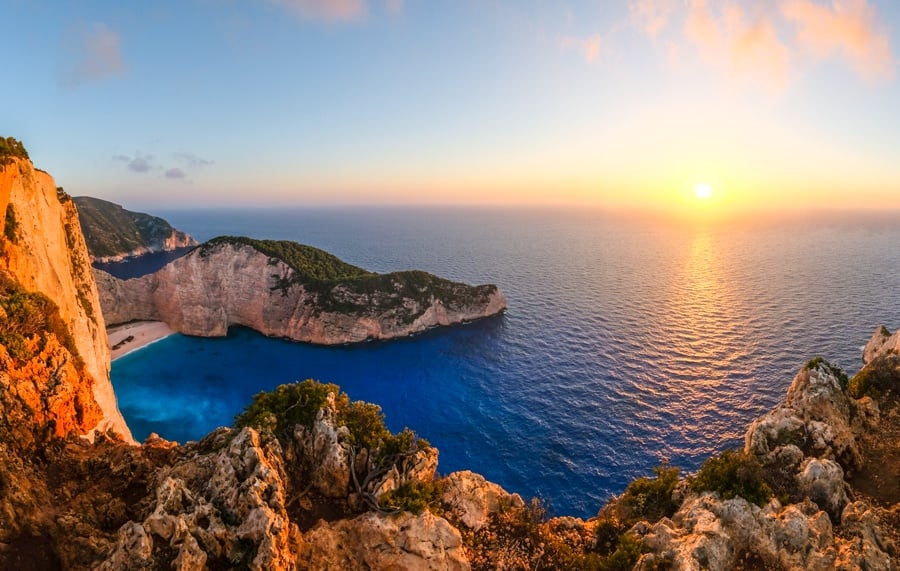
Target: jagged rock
{"x": 822, "y": 481}
{"x": 325, "y": 450}
{"x": 223, "y": 284}
{"x": 420, "y": 467}
{"x": 865, "y": 547}
{"x": 376, "y": 541}
{"x": 227, "y": 506}
{"x": 816, "y": 417}
{"x": 471, "y": 499}
{"x": 881, "y": 343}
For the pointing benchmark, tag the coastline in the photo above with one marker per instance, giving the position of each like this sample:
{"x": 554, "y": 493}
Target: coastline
{"x": 129, "y": 337}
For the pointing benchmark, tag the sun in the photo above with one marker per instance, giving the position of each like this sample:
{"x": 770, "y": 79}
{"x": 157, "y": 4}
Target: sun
{"x": 703, "y": 191}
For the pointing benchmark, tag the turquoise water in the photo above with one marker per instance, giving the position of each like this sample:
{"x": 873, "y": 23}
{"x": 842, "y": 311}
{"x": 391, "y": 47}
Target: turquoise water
{"x": 625, "y": 342}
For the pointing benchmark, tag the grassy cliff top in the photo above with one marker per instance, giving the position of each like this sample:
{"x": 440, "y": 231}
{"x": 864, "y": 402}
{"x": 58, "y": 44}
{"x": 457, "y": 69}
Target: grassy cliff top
{"x": 110, "y": 230}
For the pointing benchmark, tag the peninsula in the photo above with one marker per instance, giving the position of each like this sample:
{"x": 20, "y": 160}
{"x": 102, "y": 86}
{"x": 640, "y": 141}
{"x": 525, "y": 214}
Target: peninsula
{"x": 284, "y": 289}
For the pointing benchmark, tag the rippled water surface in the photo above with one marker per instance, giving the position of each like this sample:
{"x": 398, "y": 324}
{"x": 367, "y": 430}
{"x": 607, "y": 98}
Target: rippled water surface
{"x": 625, "y": 342}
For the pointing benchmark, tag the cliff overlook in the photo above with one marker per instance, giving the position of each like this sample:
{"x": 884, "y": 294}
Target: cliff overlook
{"x": 289, "y": 290}
{"x": 308, "y": 479}
{"x": 113, "y": 233}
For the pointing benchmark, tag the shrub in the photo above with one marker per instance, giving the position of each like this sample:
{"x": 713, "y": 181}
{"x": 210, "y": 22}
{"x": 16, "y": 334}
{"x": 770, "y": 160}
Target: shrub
{"x": 28, "y": 315}
{"x": 650, "y": 499}
{"x": 288, "y": 405}
{"x": 876, "y": 378}
{"x": 733, "y": 474}
{"x": 9, "y": 148}
{"x": 415, "y": 497}
{"x": 11, "y": 225}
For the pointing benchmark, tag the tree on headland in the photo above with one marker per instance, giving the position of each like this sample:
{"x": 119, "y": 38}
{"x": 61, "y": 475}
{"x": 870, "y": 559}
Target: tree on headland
{"x": 9, "y": 148}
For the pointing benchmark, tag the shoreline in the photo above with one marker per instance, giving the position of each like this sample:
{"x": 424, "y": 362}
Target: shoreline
{"x": 130, "y": 337}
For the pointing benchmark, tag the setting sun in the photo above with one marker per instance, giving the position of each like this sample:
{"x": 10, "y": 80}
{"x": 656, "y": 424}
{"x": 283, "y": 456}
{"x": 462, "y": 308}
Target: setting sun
{"x": 703, "y": 191}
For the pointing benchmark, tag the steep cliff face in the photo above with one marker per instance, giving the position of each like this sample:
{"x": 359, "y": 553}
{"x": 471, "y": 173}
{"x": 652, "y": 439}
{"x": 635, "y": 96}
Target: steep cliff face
{"x": 114, "y": 234}
{"x": 43, "y": 249}
{"x": 231, "y": 283}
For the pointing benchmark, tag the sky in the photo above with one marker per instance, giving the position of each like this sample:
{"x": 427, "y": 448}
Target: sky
{"x": 619, "y": 104}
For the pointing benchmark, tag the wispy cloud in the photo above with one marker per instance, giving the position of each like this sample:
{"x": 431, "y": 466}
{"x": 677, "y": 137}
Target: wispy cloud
{"x": 193, "y": 161}
{"x": 651, "y": 16}
{"x": 94, "y": 54}
{"x": 848, "y": 28}
{"x": 175, "y": 173}
{"x": 139, "y": 163}
{"x": 588, "y": 47}
{"x": 327, "y": 10}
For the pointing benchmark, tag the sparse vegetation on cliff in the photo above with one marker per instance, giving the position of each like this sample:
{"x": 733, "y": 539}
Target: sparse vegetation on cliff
{"x": 819, "y": 363}
{"x": 27, "y": 319}
{"x": 11, "y": 148}
{"x": 11, "y": 225}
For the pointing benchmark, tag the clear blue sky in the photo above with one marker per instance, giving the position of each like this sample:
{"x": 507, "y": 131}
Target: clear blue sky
{"x": 228, "y": 102}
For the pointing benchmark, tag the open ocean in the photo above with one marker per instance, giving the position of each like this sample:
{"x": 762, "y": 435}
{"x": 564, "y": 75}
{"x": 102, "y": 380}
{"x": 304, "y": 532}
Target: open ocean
{"x": 625, "y": 342}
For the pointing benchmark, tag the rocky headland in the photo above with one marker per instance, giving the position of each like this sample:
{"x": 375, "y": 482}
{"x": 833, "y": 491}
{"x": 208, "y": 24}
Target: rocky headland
{"x": 288, "y": 290}
{"x": 113, "y": 233}
{"x": 308, "y": 479}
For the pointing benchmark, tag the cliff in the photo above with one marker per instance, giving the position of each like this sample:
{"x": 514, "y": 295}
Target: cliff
{"x": 114, "y": 234}
{"x": 44, "y": 251}
{"x": 287, "y": 290}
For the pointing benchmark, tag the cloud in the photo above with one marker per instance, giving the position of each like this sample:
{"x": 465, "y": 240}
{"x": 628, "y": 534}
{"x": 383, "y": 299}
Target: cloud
{"x": 138, "y": 163}
{"x": 327, "y": 10}
{"x": 651, "y": 16}
{"x": 96, "y": 54}
{"x": 193, "y": 161}
{"x": 747, "y": 47}
{"x": 848, "y": 28}
{"x": 588, "y": 47}
{"x": 175, "y": 173}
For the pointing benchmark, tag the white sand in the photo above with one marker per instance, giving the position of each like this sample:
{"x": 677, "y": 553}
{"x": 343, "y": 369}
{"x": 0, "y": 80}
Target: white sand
{"x": 143, "y": 333}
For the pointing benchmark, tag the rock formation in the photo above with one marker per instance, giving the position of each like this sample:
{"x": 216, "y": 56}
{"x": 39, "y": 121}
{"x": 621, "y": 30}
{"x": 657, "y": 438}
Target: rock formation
{"x": 232, "y": 282}
{"x": 114, "y": 234}
{"x": 44, "y": 251}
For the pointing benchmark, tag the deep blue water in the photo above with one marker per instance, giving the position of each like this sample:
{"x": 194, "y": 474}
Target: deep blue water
{"x": 142, "y": 265}
{"x": 625, "y": 342}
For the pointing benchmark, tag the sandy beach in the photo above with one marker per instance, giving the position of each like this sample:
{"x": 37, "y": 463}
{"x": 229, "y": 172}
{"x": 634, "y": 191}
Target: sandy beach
{"x": 124, "y": 339}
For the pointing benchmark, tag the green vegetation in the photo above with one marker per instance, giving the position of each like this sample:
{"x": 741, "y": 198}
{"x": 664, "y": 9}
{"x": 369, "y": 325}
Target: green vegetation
{"x": 311, "y": 264}
{"x": 650, "y": 499}
{"x": 29, "y": 316}
{"x": 415, "y": 497}
{"x": 820, "y": 364}
{"x": 876, "y": 378}
{"x": 11, "y": 148}
{"x": 294, "y": 404}
{"x": 733, "y": 474}
{"x": 11, "y": 225}
{"x": 110, "y": 230}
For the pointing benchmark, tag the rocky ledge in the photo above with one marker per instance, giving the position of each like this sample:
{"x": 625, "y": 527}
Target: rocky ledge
{"x": 284, "y": 289}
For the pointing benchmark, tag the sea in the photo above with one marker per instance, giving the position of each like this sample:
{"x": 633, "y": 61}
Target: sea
{"x": 627, "y": 342}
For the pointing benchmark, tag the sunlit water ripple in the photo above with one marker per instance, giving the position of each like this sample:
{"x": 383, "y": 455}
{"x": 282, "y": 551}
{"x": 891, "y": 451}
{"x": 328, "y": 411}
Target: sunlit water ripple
{"x": 625, "y": 342}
